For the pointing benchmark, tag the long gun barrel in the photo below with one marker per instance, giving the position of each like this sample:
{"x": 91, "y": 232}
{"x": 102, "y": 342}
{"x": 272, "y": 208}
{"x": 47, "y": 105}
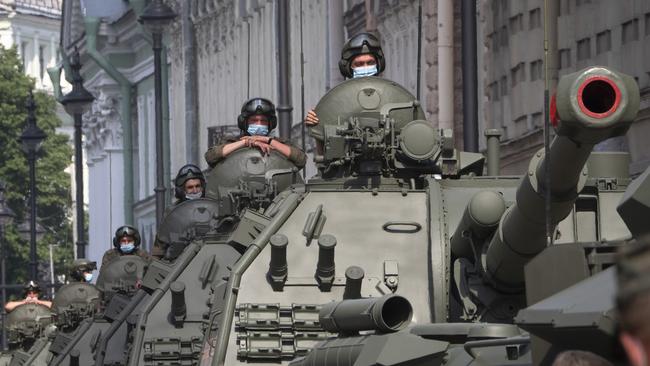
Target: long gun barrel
{"x": 592, "y": 105}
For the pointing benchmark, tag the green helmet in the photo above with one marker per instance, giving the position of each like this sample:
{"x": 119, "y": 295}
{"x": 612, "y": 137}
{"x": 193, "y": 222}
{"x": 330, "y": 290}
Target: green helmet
{"x": 31, "y": 286}
{"x": 362, "y": 43}
{"x": 81, "y": 265}
{"x": 255, "y": 106}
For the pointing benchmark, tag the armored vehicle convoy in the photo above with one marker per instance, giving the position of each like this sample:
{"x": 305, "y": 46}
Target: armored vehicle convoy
{"x": 399, "y": 253}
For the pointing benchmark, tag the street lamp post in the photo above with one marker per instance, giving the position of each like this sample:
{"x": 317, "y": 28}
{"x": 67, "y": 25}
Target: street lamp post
{"x": 76, "y": 103}
{"x": 32, "y": 138}
{"x": 155, "y": 17}
{"x": 6, "y": 217}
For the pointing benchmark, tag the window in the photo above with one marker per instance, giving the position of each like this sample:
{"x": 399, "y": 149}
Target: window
{"x": 493, "y": 41}
{"x": 537, "y": 119}
{"x": 521, "y": 119}
{"x": 630, "y": 31}
{"x": 565, "y": 58}
{"x": 584, "y": 49}
{"x": 518, "y": 74}
{"x": 41, "y": 62}
{"x": 535, "y": 18}
{"x": 503, "y": 36}
{"x": 23, "y": 58}
{"x": 494, "y": 91}
{"x": 565, "y": 7}
{"x": 536, "y": 70}
{"x": 516, "y": 23}
{"x": 603, "y": 42}
{"x": 504, "y": 86}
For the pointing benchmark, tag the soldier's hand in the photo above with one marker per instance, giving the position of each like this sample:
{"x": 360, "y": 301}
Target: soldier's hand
{"x": 264, "y": 139}
{"x": 264, "y": 147}
{"x": 311, "y": 119}
{"x": 247, "y": 140}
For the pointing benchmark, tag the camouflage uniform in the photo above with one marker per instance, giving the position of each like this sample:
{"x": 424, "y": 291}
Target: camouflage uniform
{"x": 214, "y": 155}
{"x": 114, "y": 253}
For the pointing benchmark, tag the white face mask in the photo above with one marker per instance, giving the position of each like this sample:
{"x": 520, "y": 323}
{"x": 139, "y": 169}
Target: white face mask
{"x": 193, "y": 196}
{"x": 127, "y": 247}
{"x": 88, "y": 277}
{"x": 362, "y": 71}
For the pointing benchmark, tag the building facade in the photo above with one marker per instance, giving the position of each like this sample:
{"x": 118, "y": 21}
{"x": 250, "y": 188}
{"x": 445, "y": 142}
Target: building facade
{"x": 589, "y": 32}
{"x": 117, "y": 61}
{"x": 32, "y": 26}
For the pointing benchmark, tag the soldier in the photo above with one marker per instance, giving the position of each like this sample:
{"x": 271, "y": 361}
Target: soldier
{"x": 126, "y": 242}
{"x": 361, "y": 56}
{"x": 256, "y": 121}
{"x": 31, "y": 292}
{"x": 190, "y": 183}
{"x": 82, "y": 270}
{"x": 633, "y": 302}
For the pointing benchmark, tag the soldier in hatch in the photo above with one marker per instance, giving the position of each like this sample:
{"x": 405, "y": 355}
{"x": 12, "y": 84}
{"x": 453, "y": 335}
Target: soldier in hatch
{"x": 126, "y": 242}
{"x": 31, "y": 292}
{"x": 189, "y": 183}
{"x": 256, "y": 121}
{"x": 82, "y": 270}
{"x": 361, "y": 56}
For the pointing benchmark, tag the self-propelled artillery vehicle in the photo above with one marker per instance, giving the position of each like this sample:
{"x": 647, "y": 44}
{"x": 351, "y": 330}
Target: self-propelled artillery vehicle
{"x": 399, "y": 253}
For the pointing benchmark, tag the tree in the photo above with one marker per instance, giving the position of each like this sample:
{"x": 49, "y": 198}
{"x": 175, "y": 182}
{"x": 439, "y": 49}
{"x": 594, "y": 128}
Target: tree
{"x": 52, "y": 182}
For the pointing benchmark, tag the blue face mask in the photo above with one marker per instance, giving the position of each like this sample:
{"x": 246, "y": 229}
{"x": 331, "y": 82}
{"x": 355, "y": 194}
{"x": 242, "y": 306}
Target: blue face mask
{"x": 193, "y": 196}
{"x": 88, "y": 277}
{"x": 362, "y": 71}
{"x": 127, "y": 248}
{"x": 258, "y": 130}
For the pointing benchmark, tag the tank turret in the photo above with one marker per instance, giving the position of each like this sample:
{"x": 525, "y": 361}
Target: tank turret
{"x": 121, "y": 276}
{"x": 26, "y": 323}
{"x": 249, "y": 179}
{"x": 75, "y": 302}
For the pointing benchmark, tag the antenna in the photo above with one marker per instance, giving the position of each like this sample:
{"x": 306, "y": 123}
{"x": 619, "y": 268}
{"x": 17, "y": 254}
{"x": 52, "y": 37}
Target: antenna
{"x": 302, "y": 92}
{"x": 547, "y": 134}
{"x": 419, "y": 64}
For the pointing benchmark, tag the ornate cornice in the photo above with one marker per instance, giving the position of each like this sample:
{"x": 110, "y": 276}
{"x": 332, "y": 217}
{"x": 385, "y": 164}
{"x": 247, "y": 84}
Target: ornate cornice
{"x": 102, "y": 126}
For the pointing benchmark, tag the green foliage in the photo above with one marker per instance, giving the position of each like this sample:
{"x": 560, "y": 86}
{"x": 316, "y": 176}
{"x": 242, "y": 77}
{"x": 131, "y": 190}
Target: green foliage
{"x": 53, "y": 183}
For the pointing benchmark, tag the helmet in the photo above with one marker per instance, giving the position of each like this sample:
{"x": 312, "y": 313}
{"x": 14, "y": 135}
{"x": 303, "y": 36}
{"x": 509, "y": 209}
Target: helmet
{"x": 126, "y": 230}
{"x": 185, "y": 173}
{"x": 255, "y": 106}
{"x": 362, "y": 43}
{"x": 81, "y": 265}
{"x": 31, "y": 286}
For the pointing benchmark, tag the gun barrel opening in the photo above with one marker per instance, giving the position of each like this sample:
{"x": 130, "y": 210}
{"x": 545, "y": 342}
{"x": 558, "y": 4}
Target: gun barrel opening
{"x": 396, "y": 312}
{"x": 599, "y": 97}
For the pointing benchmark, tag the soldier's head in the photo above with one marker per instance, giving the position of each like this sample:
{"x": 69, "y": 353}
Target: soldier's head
{"x": 31, "y": 290}
{"x": 82, "y": 270}
{"x": 257, "y": 117}
{"x": 126, "y": 239}
{"x": 189, "y": 183}
{"x": 362, "y": 56}
{"x": 633, "y": 301}
{"x": 579, "y": 358}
